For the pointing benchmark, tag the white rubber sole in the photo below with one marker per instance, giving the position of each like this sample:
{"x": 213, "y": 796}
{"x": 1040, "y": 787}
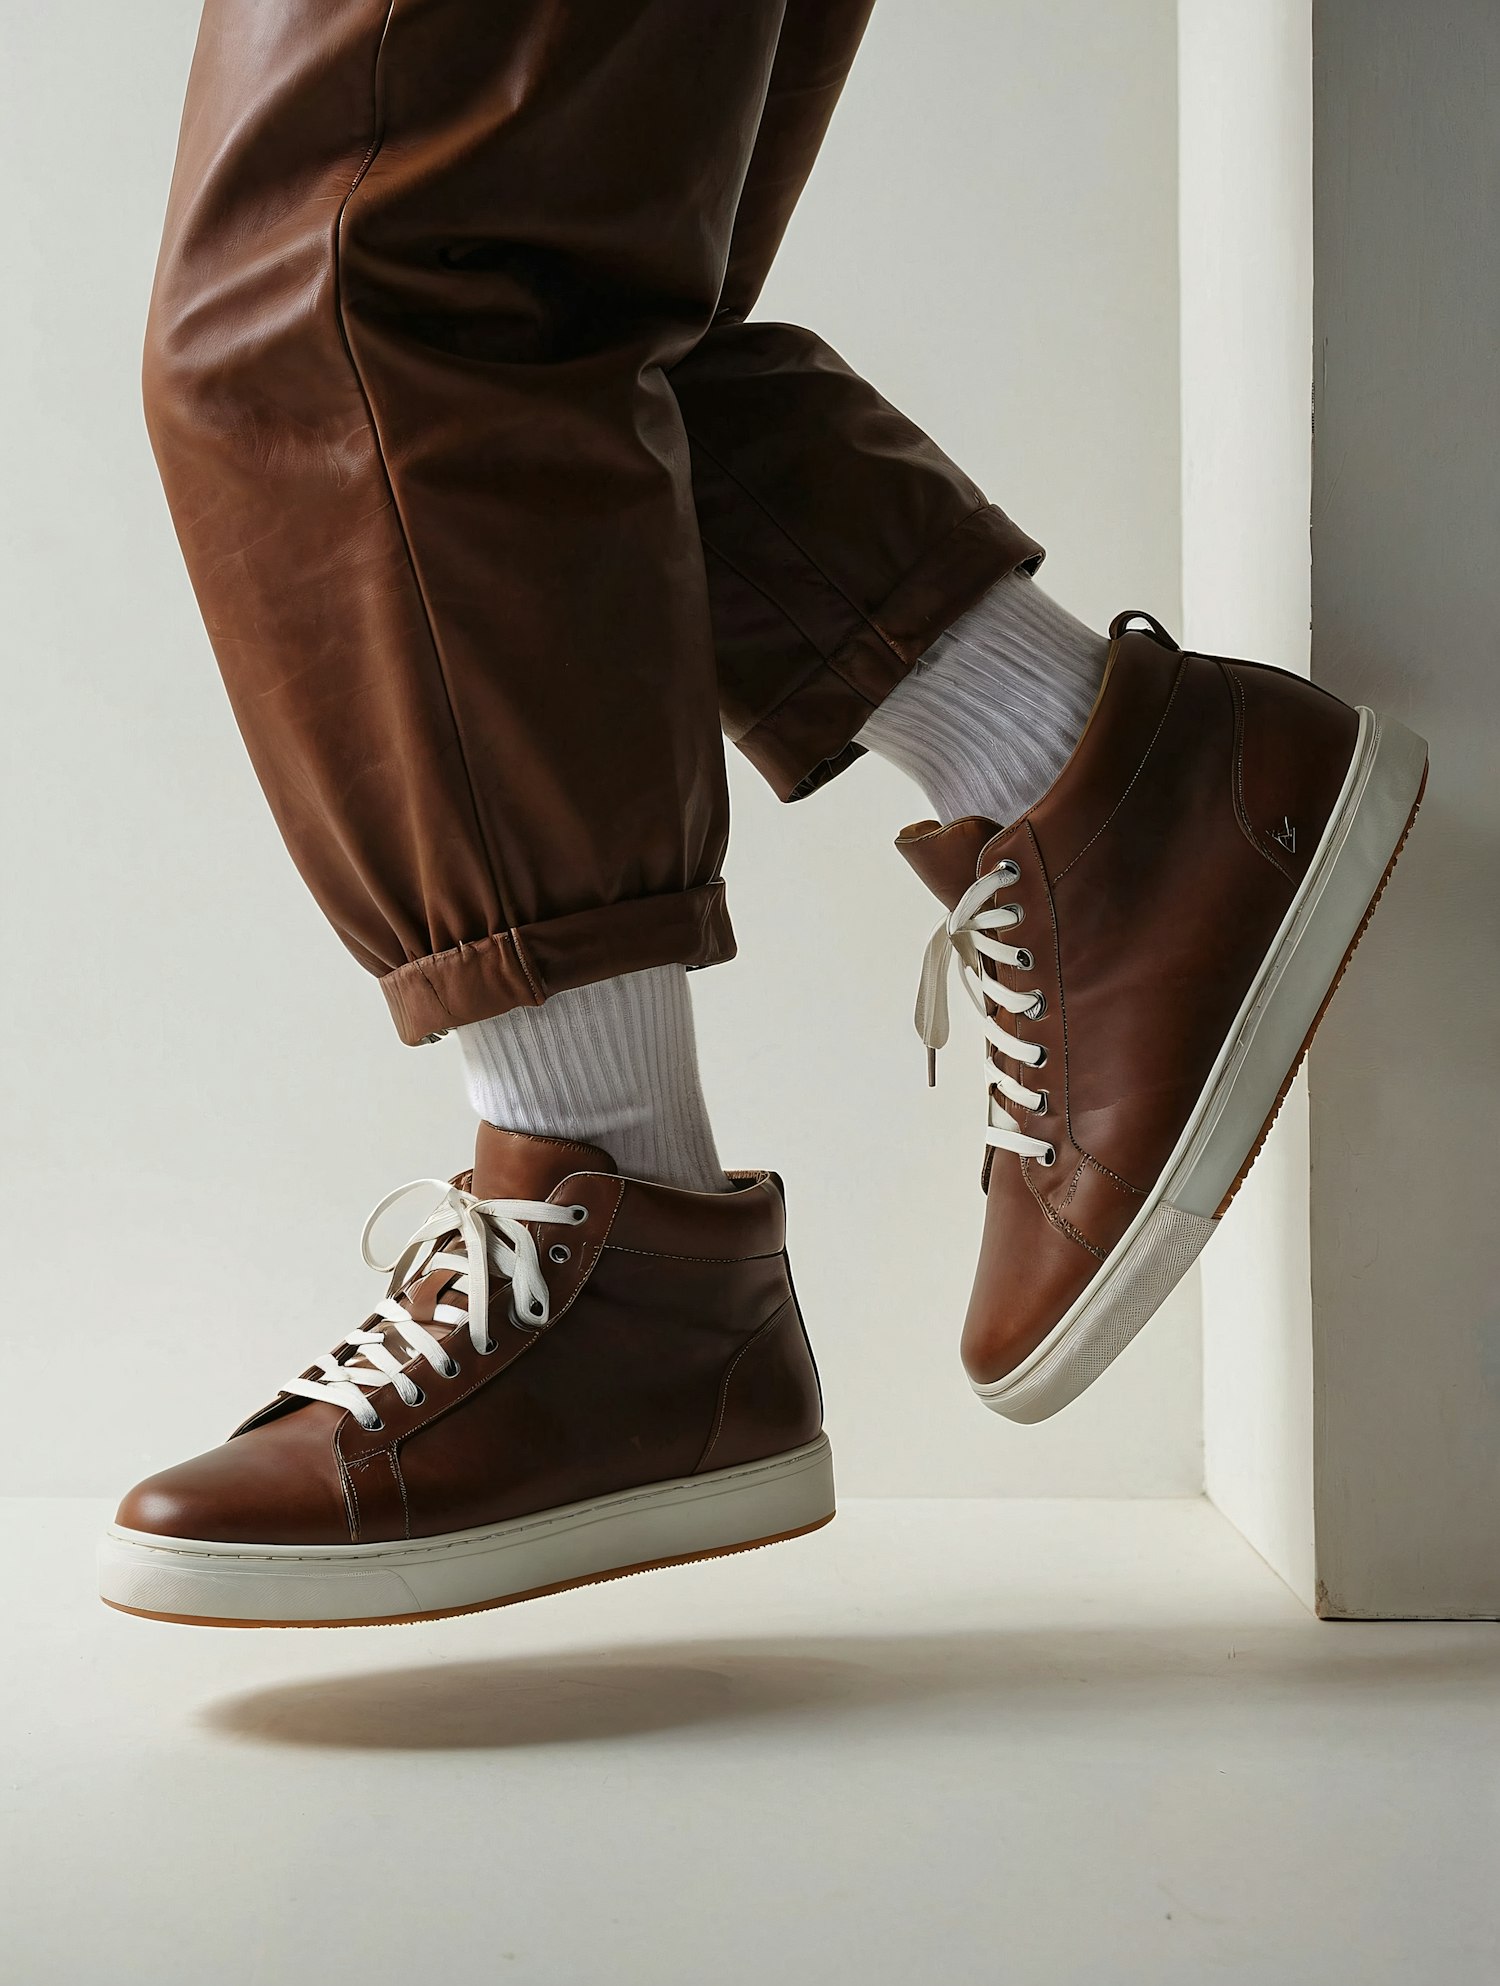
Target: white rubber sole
{"x": 1244, "y": 1090}
{"x": 696, "y": 1517}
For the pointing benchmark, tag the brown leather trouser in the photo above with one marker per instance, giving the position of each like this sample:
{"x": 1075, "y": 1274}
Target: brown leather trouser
{"x": 495, "y": 505}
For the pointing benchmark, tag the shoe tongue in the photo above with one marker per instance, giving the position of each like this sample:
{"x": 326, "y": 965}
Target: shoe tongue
{"x": 513, "y": 1165}
{"x": 947, "y": 858}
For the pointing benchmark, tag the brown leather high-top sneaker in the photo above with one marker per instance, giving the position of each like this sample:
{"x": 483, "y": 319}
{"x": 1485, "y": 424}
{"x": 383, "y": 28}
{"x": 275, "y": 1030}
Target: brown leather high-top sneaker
{"x": 1151, "y": 947}
{"x": 573, "y": 1376}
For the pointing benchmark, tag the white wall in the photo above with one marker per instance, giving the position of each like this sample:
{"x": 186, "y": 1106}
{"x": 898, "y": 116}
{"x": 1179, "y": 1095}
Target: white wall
{"x": 1245, "y": 90}
{"x": 203, "y": 1096}
{"x": 1406, "y": 599}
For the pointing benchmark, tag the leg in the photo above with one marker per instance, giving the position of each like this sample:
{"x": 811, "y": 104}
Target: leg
{"x": 770, "y": 409}
{"x": 840, "y": 541}
{"x": 1190, "y": 850}
{"x": 423, "y": 270}
{"x": 423, "y": 274}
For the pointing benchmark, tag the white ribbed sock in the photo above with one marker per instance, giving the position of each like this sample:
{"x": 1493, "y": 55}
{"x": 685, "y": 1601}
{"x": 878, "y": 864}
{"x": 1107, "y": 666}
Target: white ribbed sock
{"x": 614, "y": 1063}
{"x": 990, "y": 714}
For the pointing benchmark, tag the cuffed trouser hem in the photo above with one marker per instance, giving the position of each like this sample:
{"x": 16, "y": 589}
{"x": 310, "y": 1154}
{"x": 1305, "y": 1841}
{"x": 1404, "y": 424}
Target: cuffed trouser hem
{"x": 809, "y": 736}
{"x": 521, "y": 968}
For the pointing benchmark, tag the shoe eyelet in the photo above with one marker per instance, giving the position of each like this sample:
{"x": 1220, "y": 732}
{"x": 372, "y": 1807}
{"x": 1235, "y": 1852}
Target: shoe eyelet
{"x": 1008, "y": 872}
{"x": 1038, "y": 1007}
{"x": 1049, "y": 1157}
{"x": 1041, "y": 1059}
{"x": 450, "y": 1371}
{"x": 580, "y": 1214}
{"x": 558, "y": 1253}
{"x": 1024, "y": 960}
{"x": 1042, "y": 1105}
{"x": 489, "y": 1346}
{"x": 417, "y": 1399}
{"x": 374, "y": 1426}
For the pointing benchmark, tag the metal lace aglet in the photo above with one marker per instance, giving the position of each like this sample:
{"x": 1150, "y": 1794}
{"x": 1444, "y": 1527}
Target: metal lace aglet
{"x": 932, "y": 1068}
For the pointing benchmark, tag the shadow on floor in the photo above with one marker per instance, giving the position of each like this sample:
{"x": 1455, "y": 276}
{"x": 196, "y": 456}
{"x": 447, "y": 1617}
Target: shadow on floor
{"x": 593, "y": 1695}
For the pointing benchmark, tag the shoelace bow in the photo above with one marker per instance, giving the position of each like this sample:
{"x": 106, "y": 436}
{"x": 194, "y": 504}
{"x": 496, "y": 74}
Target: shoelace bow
{"x": 494, "y": 1236}
{"x": 965, "y": 934}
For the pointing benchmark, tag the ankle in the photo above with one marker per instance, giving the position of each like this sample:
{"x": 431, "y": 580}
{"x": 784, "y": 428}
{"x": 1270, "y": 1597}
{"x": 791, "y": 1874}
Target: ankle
{"x": 991, "y": 712}
{"x": 612, "y": 1064}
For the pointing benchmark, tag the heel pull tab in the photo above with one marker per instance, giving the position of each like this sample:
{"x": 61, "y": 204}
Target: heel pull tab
{"x": 1125, "y": 624}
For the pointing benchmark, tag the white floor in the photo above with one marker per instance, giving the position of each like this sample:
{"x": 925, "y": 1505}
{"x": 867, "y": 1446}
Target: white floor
{"x": 946, "y": 1742}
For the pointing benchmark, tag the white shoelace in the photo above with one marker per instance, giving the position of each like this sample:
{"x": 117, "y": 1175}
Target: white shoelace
{"x": 964, "y": 933}
{"x": 492, "y": 1235}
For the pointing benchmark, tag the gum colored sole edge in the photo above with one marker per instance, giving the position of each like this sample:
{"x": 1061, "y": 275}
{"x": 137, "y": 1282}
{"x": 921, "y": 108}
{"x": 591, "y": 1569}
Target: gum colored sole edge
{"x": 489, "y": 1606}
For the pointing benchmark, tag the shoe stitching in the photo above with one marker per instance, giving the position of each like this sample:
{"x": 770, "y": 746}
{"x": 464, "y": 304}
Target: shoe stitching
{"x": 396, "y": 1471}
{"x": 387, "y": 1455}
{"x": 754, "y": 1339}
{"x": 1242, "y": 813}
{"x": 510, "y": 1527}
{"x": 1109, "y": 1173}
{"x": 585, "y": 1272}
{"x": 1067, "y": 1097}
{"x": 1063, "y": 1226}
{"x": 440, "y": 1408}
{"x": 1062, "y": 1000}
{"x": 1166, "y": 711}
{"x": 665, "y": 1255}
{"x": 563, "y": 1145}
{"x": 351, "y": 1495}
{"x": 1087, "y": 1162}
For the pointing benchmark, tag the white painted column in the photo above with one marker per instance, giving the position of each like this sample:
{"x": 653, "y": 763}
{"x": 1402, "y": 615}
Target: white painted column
{"x": 1406, "y": 601}
{"x": 1245, "y": 93}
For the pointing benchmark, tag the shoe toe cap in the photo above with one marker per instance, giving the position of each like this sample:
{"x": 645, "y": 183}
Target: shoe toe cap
{"x": 170, "y": 1504}
{"x": 1031, "y": 1271}
{"x": 245, "y": 1492}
